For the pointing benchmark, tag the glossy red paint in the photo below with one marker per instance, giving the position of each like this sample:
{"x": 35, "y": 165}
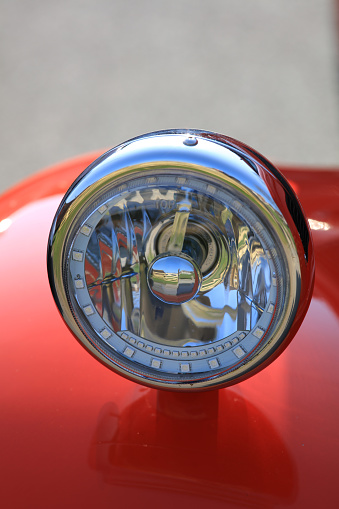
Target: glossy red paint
{"x": 75, "y": 434}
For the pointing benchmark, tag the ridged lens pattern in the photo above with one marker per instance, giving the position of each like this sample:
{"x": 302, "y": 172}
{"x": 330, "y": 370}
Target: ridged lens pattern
{"x": 139, "y": 226}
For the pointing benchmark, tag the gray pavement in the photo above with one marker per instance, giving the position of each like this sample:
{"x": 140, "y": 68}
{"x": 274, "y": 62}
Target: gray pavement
{"x": 79, "y": 75}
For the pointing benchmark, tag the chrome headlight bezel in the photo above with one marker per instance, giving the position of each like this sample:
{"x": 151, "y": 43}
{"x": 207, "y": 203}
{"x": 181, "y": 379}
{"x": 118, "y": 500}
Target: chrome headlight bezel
{"x": 231, "y": 171}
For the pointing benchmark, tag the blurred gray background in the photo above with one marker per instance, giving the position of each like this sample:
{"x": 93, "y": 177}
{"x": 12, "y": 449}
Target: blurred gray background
{"x": 80, "y": 75}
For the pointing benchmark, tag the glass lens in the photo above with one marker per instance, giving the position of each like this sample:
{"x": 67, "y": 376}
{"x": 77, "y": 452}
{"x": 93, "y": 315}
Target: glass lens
{"x": 178, "y": 264}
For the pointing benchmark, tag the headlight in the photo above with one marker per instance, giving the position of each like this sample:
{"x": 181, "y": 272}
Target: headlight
{"x": 182, "y": 260}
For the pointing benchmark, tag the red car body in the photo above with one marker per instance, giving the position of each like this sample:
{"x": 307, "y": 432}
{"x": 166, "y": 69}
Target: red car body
{"x": 74, "y": 434}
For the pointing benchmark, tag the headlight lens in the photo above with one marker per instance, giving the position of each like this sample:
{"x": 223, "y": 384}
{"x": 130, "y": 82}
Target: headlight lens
{"x": 178, "y": 260}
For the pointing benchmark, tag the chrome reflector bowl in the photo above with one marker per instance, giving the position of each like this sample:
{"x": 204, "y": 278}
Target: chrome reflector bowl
{"x": 182, "y": 260}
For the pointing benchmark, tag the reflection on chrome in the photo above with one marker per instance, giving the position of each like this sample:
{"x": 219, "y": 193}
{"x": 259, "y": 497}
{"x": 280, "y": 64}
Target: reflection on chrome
{"x": 203, "y": 288}
{"x": 174, "y": 279}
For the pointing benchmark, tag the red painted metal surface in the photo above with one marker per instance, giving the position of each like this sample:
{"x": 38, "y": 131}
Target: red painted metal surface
{"x": 73, "y": 434}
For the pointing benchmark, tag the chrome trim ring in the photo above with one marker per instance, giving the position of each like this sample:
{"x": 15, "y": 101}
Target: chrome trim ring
{"x": 219, "y": 212}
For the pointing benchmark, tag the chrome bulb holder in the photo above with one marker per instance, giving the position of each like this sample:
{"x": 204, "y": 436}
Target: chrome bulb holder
{"x": 182, "y": 260}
